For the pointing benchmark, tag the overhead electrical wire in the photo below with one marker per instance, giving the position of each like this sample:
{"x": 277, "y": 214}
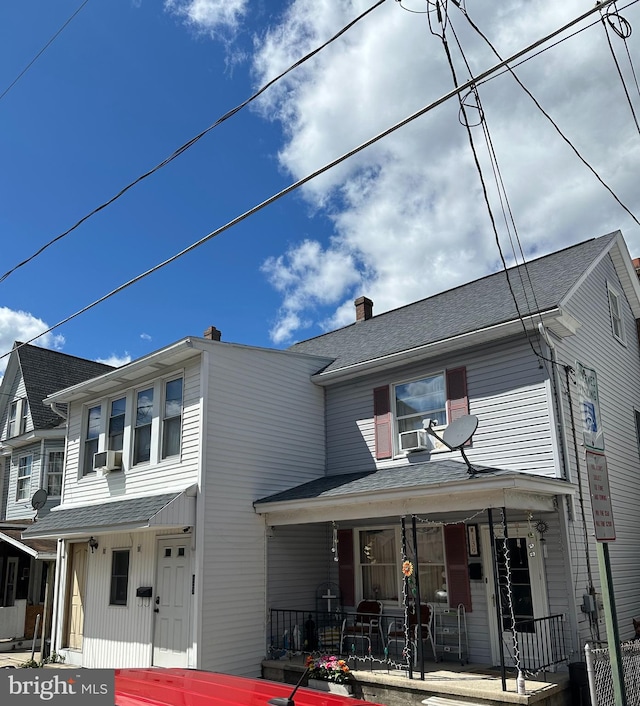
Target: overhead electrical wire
{"x": 41, "y": 52}
{"x": 183, "y": 148}
{"x": 292, "y": 187}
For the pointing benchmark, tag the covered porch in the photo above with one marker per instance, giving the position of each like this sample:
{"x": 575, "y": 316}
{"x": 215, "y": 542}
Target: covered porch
{"x": 470, "y": 551}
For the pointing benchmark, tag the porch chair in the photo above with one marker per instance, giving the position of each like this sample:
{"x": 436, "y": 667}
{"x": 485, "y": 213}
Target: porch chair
{"x": 361, "y": 625}
{"x": 396, "y": 633}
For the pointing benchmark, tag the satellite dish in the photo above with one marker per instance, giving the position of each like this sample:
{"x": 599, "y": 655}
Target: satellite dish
{"x": 39, "y": 499}
{"x": 460, "y": 431}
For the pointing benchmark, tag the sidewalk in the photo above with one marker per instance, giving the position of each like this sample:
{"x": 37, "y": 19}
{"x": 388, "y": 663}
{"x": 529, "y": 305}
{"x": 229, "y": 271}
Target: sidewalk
{"x": 17, "y": 657}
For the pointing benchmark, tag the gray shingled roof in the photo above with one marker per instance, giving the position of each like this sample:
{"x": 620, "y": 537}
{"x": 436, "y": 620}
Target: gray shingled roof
{"x": 479, "y": 304}
{"x": 108, "y": 515}
{"x": 419, "y": 474}
{"x": 45, "y": 371}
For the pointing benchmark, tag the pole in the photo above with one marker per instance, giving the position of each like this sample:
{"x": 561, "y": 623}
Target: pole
{"x": 496, "y": 592}
{"x": 611, "y": 622}
{"x": 417, "y": 600}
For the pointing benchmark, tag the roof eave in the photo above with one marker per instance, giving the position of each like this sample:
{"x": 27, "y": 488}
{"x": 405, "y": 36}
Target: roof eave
{"x": 556, "y": 320}
{"x": 517, "y": 491}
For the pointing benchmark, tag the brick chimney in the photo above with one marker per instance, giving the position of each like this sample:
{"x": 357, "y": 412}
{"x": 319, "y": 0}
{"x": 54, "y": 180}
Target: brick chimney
{"x": 636, "y": 265}
{"x": 212, "y": 334}
{"x": 364, "y": 308}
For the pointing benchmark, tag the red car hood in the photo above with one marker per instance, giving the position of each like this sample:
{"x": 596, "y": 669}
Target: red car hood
{"x": 191, "y": 687}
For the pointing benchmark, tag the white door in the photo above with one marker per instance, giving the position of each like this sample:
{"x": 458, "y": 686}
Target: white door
{"x": 171, "y": 603}
{"x": 522, "y": 589}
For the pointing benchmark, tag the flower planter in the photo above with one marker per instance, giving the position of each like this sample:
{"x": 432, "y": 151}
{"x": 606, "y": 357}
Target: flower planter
{"x": 331, "y": 687}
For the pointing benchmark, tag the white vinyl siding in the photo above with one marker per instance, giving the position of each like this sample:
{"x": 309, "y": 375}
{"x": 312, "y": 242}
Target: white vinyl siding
{"x": 507, "y": 391}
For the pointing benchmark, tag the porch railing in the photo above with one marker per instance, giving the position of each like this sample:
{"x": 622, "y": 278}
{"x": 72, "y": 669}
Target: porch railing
{"x": 541, "y": 642}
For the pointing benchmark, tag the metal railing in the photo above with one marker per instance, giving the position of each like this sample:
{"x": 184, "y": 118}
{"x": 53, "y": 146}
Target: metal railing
{"x": 541, "y": 643}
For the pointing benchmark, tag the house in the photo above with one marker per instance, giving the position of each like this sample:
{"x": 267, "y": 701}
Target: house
{"x": 32, "y": 438}
{"x": 223, "y": 502}
{"x": 161, "y": 558}
{"x": 506, "y": 553}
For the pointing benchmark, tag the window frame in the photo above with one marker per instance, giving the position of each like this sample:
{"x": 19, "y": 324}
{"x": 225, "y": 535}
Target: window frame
{"x": 20, "y": 479}
{"x": 359, "y": 564}
{"x": 24, "y": 415}
{"x": 168, "y": 419}
{"x": 396, "y": 418}
{"x": 114, "y": 577}
{"x": 12, "y": 420}
{"x": 136, "y": 428}
{"x": 111, "y": 446}
{"x": 49, "y": 473}
{"x": 95, "y": 441}
{"x": 614, "y": 299}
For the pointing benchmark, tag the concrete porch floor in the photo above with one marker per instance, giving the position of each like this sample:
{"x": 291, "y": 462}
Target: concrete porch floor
{"x": 445, "y": 684}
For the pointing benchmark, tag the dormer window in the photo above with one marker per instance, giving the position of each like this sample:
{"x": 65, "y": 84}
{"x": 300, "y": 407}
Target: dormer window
{"x": 24, "y": 416}
{"x": 13, "y": 416}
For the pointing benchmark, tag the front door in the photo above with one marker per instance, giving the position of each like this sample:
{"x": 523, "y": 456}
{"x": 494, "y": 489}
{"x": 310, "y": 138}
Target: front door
{"x": 171, "y": 603}
{"x": 522, "y": 592}
{"x": 75, "y": 607}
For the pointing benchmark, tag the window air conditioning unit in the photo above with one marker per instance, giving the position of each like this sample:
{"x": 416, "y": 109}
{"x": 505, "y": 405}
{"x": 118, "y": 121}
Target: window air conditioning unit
{"x": 106, "y": 461}
{"x": 416, "y": 440}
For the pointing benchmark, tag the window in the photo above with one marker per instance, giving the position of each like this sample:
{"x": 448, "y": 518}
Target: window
{"x": 119, "y": 577}
{"x": 24, "y": 417}
{"x": 432, "y": 568}
{"x": 172, "y": 419}
{"x": 24, "y": 477}
{"x": 92, "y": 437}
{"x": 55, "y": 464}
{"x": 616, "y": 315}
{"x": 421, "y": 399}
{"x": 379, "y": 572}
{"x": 13, "y": 414}
{"x": 116, "y": 424}
{"x": 142, "y": 431}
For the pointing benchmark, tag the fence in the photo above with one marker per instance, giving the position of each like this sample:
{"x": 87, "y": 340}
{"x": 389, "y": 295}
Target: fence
{"x": 600, "y": 678}
{"x": 541, "y": 643}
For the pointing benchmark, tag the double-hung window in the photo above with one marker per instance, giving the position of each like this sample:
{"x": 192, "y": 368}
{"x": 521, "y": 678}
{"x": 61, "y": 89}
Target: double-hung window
{"x": 172, "y": 418}
{"x": 24, "y": 477}
{"x": 431, "y": 563}
{"x": 13, "y": 416}
{"x": 615, "y": 309}
{"x": 55, "y": 464}
{"x": 378, "y": 562}
{"x": 142, "y": 430}
{"x": 119, "y": 577}
{"x": 116, "y": 424}
{"x": 421, "y": 399}
{"x": 24, "y": 416}
{"x": 92, "y": 437}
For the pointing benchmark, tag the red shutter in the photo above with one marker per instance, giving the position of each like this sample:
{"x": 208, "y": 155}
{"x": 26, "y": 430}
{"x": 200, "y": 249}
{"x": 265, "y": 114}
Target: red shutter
{"x": 382, "y": 422}
{"x": 346, "y": 567}
{"x": 458, "y": 586}
{"x": 457, "y": 400}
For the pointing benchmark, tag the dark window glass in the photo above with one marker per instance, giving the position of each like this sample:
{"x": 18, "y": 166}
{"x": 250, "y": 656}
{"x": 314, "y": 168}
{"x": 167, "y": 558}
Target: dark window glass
{"x": 119, "y": 577}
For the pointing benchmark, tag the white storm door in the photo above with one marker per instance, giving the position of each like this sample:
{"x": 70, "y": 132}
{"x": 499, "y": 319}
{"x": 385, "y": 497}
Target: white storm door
{"x": 172, "y": 600}
{"x": 523, "y": 582}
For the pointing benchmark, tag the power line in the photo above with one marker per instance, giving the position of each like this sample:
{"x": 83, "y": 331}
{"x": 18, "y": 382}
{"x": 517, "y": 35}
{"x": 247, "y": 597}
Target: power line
{"x": 41, "y": 52}
{"x": 183, "y": 148}
{"x": 292, "y": 187}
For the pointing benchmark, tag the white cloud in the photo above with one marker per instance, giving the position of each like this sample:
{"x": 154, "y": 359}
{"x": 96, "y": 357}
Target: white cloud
{"x": 145, "y": 337}
{"x": 408, "y": 214}
{"x": 116, "y": 360}
{"x": 210, "y": 16}
{"x": 23, "y": 326}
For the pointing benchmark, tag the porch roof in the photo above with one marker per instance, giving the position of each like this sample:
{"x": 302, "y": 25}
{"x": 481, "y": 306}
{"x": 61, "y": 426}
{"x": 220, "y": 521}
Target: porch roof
{"x": 435, "y": 486}
{"x": 167, "y": 510}
{"x": 44, "y": 549}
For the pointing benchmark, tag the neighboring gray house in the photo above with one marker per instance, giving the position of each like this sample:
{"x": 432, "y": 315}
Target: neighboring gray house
{"x": 213, "y": 490}
{"x": 32, "y": 439}
{"x": 516, "y": 366}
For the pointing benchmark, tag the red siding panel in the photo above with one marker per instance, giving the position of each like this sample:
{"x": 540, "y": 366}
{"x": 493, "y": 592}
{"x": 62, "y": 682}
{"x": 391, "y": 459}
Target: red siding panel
{"x": 458, "y": 586}
{"x": 382, "y": 422}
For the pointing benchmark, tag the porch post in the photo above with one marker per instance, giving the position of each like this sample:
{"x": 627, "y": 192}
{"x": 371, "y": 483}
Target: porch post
{"x": 417, "y": 601}
{"x": 405, "y": 582}
{"x": 496, "y": 591}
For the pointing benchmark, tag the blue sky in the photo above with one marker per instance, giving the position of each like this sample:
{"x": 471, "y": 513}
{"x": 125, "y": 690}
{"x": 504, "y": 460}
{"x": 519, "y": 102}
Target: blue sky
{"x": 129, "y": 81}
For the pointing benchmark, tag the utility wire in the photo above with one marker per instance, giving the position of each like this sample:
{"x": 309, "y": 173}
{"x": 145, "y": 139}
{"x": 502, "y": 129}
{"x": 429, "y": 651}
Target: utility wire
{"x": 551, "y": 120}
{"x": 41, "y": 52}
{"x": 292, "y": 187}
{"x": 183, "y": 148}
